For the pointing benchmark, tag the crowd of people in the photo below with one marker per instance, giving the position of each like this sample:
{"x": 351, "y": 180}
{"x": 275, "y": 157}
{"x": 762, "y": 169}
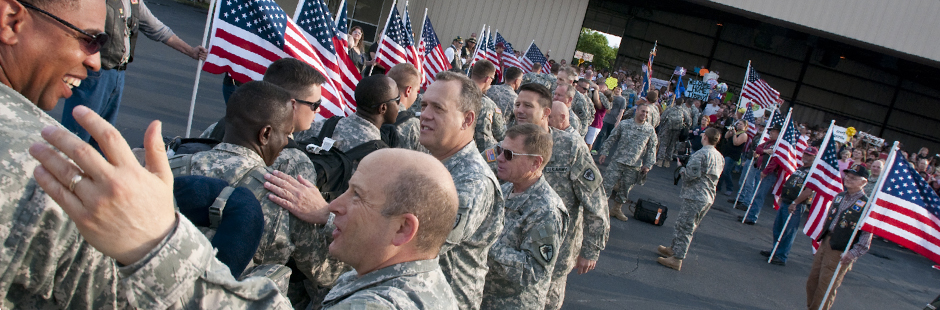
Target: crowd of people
{"x": 477, "y": 192}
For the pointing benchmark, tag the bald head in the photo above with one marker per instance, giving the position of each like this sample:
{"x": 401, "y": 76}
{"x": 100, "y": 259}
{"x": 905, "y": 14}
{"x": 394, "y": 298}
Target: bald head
{"x": 559, "y": 116}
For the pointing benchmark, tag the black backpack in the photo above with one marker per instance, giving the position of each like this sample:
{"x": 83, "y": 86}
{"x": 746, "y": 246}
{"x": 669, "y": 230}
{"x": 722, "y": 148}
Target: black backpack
{"x": 180, "y": 145}
{"x": 334, "y": 167}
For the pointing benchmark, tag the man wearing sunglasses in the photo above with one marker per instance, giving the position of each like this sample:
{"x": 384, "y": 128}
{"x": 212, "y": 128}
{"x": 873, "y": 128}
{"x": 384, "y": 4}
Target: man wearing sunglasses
{"x": 522, "y": 259}
{"x": 377, "y": 98}
{"x": 574, "y": 177}
{"x": 101, "y": 91}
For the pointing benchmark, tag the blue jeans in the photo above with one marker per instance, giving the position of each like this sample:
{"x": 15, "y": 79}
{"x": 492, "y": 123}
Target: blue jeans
{"x": 227, "y": 90}
{"x": 789, "y": 232}
{"x": 725, "y": 178}
{"x": 101, "y": 92}
{"x": 602, "y": 136}
{"x": 765, "y": 186}
{"x": 747, "y": 181}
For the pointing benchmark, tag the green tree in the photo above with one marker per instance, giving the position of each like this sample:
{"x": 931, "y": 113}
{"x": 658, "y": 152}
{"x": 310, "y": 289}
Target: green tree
{"x": 595, "y": 43}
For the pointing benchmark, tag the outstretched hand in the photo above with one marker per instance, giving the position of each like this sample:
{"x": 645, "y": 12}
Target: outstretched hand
{"x": 298, "y": 196}
{"x": 121, "y": 208}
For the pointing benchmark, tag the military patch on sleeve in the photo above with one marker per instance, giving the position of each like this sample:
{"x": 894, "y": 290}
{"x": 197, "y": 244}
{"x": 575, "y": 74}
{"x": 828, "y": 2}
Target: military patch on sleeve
{"x": 498, "y": 111}
{"x": 547, "y": 251}
{"x": 489, "y": 155}
{"x": 589, "y": 175}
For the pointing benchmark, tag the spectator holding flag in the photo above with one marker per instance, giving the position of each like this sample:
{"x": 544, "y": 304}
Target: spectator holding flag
{"x": 788, "y": 219}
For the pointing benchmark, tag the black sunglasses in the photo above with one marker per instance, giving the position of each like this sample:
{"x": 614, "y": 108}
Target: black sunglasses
{"x": 396, "y": 99}
{"x": 92, "y": 44}
{"x": 507, "y": 154}
{"x": 313, "y": 105}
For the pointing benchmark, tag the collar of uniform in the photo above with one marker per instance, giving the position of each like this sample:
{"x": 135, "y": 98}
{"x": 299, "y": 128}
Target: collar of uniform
{"x": 14, "y": 104}
{"x": 345, "y": 289}
{"x": 524, "y": 195}
{"x": 462, "y": 156}
{"x": 239, "y": 150}
{"x": 708, "y": 146}
{"x": 355, "y": 118}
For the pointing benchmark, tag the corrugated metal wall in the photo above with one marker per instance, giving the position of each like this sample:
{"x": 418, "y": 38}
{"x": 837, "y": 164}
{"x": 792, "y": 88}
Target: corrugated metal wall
{"x": 553, "y": 24}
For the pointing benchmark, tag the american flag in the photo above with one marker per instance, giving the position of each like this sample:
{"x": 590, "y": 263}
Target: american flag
{"x": 648, "y": 72}
{"x": 509, "y": 58}
{"x": 775, "y": 120}
{"x": 491, "y": 53}
{"x": 826, "y": 180}
{"x": 397, "y": 45}
{"x": 785, "y": 155}
{"x": 480, "y": 53}
{"x": 906, "y": 210}
{"x": 801, "y": 146}
{"x": 757, "y": 90}
{"x": 751, "y": 121}
{"x": 533, "y": 56}
{"x": 342, "y": 23}
{"x": 318, "y": 27}
{"x": 248, "y": 35}
{"x": 416, "y": 57}
{"x": 430, "y": 47}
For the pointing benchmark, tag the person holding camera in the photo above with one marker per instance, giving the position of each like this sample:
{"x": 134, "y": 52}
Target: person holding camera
{"x": 736, "y": 137}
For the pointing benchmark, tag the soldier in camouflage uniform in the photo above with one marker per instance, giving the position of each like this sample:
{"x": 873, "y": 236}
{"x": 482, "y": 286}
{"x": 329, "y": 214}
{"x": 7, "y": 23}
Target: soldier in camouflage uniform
{"x": 377, "y": 99}
{"x": 635, "y": 142}
{"x": 408, "y": 80}
{"x": 522, "y": 260}
{"x": 47, "y": 264}
{"x": 448, "y": 113}
{"x": 536, "y": 76}
{"x": 379, "y": 206}
{"x": 490, "y": 124}
{"x": 559, "y": 118}
{"x": 504, "y": 95}
{"x": 674, "y": 122}
{"x": 699, "y": 180}
{"x": 566, "y": 94}
{"x": 579, "y": 105}
{"x": 574, "y": 177}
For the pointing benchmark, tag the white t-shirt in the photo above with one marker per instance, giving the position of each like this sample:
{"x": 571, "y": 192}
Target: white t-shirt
{"x": 711, "y": 109}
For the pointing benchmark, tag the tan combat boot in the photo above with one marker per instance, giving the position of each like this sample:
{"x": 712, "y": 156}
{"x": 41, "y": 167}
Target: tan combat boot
{"x": 659, "y": 163}
{"x": 665, "y": 252}
{"x": 617, "y": 213}
{"x": 666, "y": 163}
{"x": 671, "y": 262}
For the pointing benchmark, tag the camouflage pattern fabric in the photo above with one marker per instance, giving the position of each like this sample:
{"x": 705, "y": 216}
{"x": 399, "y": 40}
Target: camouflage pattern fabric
{"x": 575, "y": 121}
{"x": 490, "y": 127}
{"x": 504, "y": 97}
{"x": 409, "y": 132}
{"x": 544, "y": 79}
{"x": 409, "y": 285}
{"x": 691, "y": 215}
{"x": 350, "y": 132}
{"x": 635, "y": 144}
{"x": 626, "y": 176}
{"x": 583, "y": 107}
{"x": 700, "y": 175}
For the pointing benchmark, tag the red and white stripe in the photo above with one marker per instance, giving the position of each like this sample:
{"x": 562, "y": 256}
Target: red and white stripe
{"x": 906, "y": 224}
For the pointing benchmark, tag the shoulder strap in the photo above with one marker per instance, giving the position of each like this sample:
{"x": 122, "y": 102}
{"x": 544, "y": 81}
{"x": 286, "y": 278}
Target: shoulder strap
{"x": 215, "y": 210}
{"x": 181, "y": 165}
{"x": 328, "y": 127}
{"x": 360, "y": 151}
{"x": 404, "y": 116}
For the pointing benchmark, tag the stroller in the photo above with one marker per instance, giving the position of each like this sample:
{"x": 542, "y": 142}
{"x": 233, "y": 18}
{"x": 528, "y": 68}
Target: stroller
{"x": 683, "y": 152}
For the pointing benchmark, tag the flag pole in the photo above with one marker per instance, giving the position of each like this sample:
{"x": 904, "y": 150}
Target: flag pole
{"x": 774, "y": 150}
{"x": 381, "y": 37}
{"x": 881, "y": 179}
{"x": 746, "y": 73}
{"x": 746, "y": 173}
{"x": 205, "y": 39}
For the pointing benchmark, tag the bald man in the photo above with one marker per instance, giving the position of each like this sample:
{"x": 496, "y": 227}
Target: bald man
{"x": 559, "y": 118}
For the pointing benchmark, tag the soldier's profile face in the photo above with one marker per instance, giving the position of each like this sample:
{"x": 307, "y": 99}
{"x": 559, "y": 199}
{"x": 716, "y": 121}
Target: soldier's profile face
{"x": 441, "y": 120}
{"x": 516, "y": 169}
{"x": 362, "y": 232}
{"x": 527, "y": 109}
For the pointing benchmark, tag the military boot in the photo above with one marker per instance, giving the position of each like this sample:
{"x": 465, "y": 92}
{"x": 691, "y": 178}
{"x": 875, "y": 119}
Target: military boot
{"x": 666, "y": 163}
{"x": 671, "y": 262}
{"x": 617, "y": 213}
{"x": 659, "y": 163}
{"x": 665, "y": 252}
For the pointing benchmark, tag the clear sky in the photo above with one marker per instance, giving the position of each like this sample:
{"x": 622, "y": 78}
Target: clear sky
{"x": 612, "y": 40}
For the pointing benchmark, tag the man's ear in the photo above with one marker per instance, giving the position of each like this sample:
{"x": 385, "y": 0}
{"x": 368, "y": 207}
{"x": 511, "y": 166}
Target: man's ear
{"x": 469, "y": 120}
{"x": 383, "y": 108}
{"x": 407, "y": 230}
{"x": 264, "y": 135}
{"x": 12, "y": 17}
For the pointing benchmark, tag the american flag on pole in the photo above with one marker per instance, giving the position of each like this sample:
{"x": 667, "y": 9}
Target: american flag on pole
{"x": 430, "y": 47}
{"x": 318, "y": 27}
{"x": 757, "y": 90}
{"x": 801, "y": 146}
{"x": 396, "y": 45}
{"x": 509, "y": 57}
{"x": 533, "y": 56}
{"x": 415, "y": 57}
{"x": 906, "y": 210}
{"x": 826, "y": 180}
{"x": 785, "y": 155}
{"x": 751, "y": 122}
{"x": 248, "y": 35}
{"x": 775, "y": 120}
{"x": 491, "y": 53}
{"x": 480, "y": 53}
{"x": 342, "y": 23}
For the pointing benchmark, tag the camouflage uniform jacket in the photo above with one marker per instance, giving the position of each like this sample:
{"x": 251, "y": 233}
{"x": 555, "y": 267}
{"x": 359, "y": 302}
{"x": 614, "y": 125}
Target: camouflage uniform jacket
{"x": 284, "y": 236}
{"x": 504, "y": 97}
{"x": 574, "y": 177}
{"x": 350, "y": 132}
{"x": 584, "y": 108}
{"x": 409, "y": 132}
{"x": 575, "y": 121}
{"x": 295, "y": 162}
{"x": 675, "y": 118}
{"x": 45, "y": 262}
{"x": 572, "y": 130}
{"x": 700, "y": 175}
{"x": 522, "y": 260}
{"x": 652, "y": 118}
{"x": 636, "y": 144}
{"x": 491, "y": 126}
{"x": 479, "y": 222}
{"x": 545, "y": 79}
{"x": 409, "y": 285}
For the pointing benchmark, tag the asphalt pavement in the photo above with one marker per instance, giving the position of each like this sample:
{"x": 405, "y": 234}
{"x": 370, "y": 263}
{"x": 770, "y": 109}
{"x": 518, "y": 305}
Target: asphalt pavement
{"x": 723, "y": 269}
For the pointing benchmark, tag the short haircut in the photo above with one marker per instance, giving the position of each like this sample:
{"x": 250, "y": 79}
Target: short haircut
{"x": 583, "y": 80}
{"x": 652, "y": 96}
{"x": 470, "y": 95}
{"x": 512, "y": 73}
{"x": 555, "y": 69}
{"x": 482, "y": 69}
{"x": 293, "y": 75}
{"x": 257, "y": 104}
{"x": 535, "y": 140}
{"x": 404, "y": 74}
{"x": 433, "y": 205}
{"x": 545, "y": 96}
{"x": 569, "y": 91}
{"x": 713, "y": 135}
{"x": 572, "y": 74}
{"x": 536, "y": 66}
{"x": 372, "y": 91}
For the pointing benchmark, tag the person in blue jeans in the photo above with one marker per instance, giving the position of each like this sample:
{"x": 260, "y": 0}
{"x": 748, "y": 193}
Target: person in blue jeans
{"x": 767, "y": 177}
{"x": 736, "y": 139}
{"x": 785, "y": 231}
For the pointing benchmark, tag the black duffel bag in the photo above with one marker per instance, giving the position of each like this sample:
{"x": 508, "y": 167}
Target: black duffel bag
{"x": 650, "y": 212}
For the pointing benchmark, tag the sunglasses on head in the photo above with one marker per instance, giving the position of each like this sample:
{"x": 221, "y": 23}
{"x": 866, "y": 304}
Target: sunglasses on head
{"x": 507, "y": 154}
{"x": 91, "y": 44}
{"x": 313, "y": 105}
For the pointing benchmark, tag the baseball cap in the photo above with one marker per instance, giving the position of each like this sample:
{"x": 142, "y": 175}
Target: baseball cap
{"x": 859, "y": 170}
{"x": 474, "y": 40}
{"x": 500, "y": 44}
{"x": 459, "y": 39}
{"x": 810, "y": 151}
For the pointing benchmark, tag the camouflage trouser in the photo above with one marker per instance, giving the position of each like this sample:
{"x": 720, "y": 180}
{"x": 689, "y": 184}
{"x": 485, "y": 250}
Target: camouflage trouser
{"x": 667, "y": 144}
{"x": 556, "y": 293}
{"x": 626, "y": 175}
{"x": 691, "y": 215}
